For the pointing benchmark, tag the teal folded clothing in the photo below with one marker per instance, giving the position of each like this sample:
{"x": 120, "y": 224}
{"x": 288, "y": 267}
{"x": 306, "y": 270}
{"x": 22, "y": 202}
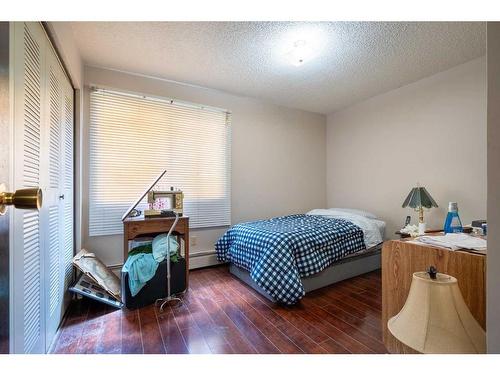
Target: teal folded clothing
{"x": 141, "y": 268}
{"x": 143, "y": 261}
{"x": 160, "y": 247}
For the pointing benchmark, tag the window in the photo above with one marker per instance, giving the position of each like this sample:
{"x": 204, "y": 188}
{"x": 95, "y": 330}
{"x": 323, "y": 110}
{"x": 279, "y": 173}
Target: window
{"x": 133, "y": 138}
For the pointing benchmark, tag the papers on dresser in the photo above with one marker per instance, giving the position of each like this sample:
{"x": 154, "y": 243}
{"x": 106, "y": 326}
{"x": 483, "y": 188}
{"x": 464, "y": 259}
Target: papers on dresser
{"x": 454, "y": 241}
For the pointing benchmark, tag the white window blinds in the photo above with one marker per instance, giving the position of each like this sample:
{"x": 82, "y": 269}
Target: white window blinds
{"x": 133, "y": 138}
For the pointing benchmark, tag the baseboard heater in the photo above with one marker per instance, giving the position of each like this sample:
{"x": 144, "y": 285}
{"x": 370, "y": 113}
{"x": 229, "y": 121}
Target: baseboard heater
{"x": 191, "y": 256}
{"x": 202, "y": 254}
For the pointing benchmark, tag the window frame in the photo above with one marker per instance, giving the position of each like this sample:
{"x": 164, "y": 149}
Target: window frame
{"x": 199, "y": 221}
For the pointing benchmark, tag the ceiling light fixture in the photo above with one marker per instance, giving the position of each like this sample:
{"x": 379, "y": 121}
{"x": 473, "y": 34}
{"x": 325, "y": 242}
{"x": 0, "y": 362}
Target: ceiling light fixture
{"x": 300, "y": 53}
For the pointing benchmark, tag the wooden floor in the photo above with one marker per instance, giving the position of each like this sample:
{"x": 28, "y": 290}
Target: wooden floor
{"x": 220, "y": 314}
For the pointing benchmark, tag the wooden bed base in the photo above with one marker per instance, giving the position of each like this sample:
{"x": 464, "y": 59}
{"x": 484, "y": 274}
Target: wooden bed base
{"x": 345, "y": 268}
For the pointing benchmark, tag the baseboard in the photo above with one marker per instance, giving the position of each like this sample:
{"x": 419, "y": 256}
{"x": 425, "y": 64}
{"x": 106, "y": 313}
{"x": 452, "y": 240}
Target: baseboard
{"x": 204, "y": 259}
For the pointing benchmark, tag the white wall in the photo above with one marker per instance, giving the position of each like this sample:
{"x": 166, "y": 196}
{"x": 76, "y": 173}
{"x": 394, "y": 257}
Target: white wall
{"x": 493, "y": 259}
{"x": 432, "y": 131}
{"x": 278, "y": 157}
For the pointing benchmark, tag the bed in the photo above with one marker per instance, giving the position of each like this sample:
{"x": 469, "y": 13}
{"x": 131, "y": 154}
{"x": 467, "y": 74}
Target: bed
{"x": 287, "y": 256}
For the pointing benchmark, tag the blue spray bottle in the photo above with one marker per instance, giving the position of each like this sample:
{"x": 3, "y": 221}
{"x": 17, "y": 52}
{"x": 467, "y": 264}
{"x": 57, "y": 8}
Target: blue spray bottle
{"x": 453, "y": 224}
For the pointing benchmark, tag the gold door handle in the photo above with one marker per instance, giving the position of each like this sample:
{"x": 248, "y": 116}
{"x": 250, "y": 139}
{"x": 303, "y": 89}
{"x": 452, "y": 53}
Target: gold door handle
{"x": 30, "y": 199}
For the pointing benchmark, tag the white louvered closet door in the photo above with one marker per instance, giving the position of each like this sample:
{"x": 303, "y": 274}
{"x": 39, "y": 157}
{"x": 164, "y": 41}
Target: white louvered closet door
{"x": 28, "y": 318}
{"x": 67, "y": 188}
{"x": 58, "y": 192}
{"x": 43, "y": 148}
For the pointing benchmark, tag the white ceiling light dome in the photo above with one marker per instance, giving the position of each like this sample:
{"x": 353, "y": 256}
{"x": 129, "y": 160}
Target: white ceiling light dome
{"x": 300, "y": 53}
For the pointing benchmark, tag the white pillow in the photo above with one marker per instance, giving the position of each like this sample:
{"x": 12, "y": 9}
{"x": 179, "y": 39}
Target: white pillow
{"x": 366, "y": 214}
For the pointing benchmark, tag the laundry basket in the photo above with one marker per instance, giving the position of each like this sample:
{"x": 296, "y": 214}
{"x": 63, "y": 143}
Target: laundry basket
{"x": 156, "y": 287}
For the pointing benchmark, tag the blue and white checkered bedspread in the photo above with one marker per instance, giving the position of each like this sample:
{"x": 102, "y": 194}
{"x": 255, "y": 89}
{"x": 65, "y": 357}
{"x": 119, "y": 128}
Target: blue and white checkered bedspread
{"x": 279, "y": 251}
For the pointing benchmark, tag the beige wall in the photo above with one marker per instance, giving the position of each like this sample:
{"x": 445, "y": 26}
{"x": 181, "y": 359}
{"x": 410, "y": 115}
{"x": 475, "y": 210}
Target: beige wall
{"x": 432, "y": 132}
{"x": 493, "y": 260}
{"x": 62, "y": 37}
{"x": 278, "y": 157}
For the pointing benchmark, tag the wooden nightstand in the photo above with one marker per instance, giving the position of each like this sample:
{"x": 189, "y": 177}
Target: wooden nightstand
{"x": 400, "y": 259}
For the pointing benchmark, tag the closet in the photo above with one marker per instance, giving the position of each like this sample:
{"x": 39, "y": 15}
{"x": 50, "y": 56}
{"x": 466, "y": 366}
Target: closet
{"x": 42, "y": 242}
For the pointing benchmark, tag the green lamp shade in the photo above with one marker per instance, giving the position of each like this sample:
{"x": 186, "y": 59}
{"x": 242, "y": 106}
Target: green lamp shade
{"x": 419, "y": 197}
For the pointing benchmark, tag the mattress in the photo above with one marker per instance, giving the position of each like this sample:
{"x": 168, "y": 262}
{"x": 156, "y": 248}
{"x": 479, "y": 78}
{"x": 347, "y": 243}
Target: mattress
{"x": 362, "y": 252}
{"x": 279, "y": 251}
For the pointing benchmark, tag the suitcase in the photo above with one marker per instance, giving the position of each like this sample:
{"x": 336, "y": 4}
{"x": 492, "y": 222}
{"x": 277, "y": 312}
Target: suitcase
{"x": 156, "y": 287}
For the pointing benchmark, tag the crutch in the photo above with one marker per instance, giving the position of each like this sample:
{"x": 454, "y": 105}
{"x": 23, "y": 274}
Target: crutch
{"x": 169, "y": 298}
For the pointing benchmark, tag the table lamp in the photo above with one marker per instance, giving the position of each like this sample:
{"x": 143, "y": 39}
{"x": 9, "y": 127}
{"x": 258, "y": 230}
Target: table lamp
{"x": 419, "y": 198}
{"x": 435, "y": 318}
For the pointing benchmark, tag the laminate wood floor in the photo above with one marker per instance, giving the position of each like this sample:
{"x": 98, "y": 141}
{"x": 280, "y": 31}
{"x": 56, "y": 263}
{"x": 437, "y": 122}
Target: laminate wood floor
{"x": 220, "y": 314}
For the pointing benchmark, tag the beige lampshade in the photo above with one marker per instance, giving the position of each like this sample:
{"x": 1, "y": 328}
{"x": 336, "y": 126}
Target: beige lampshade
{"x": 435, "y": 318}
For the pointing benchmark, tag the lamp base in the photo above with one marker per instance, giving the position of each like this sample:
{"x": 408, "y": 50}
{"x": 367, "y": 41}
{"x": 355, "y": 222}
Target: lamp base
{"x": 421, "y": 228}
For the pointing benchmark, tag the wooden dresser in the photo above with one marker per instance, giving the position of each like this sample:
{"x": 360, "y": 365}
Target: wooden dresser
{"x": 400, "y": 259}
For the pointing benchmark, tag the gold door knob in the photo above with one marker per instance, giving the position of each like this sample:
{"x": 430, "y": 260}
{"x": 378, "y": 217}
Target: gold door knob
{"x": 30, "y": 198}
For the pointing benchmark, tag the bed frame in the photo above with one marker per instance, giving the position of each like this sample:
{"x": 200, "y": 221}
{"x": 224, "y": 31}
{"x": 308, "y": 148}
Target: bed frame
{"x": 345, "y": 268}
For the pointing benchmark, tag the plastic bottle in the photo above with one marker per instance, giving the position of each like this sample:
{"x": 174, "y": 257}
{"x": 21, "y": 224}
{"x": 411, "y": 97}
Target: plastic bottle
{"x": 453, "y": 224}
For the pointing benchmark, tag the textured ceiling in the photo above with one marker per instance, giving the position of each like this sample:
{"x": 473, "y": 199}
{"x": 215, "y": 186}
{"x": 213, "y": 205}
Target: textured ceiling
{"x": 354, "y": 60}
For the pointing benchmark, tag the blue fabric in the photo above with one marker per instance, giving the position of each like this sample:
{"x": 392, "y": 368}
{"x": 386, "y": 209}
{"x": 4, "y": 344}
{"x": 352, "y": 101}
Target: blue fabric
{"x": 141, "y": 268}
{"x": 160, "y": 246}
{"x": 279, "y": 251}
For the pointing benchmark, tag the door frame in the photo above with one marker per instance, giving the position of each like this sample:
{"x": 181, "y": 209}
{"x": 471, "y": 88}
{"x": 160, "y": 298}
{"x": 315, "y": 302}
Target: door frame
{"x": 5, "y": 178}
